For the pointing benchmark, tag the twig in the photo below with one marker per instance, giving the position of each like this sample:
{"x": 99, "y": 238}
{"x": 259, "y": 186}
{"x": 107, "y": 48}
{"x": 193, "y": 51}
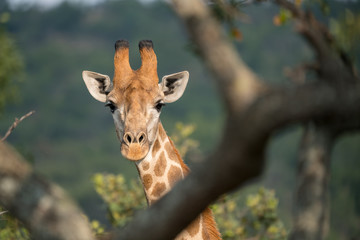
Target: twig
{"x": 16, "y": 122}
{"x": 1, "y": 213}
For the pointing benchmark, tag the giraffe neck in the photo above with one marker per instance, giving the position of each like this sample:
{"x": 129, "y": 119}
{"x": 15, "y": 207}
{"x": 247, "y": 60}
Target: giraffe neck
{"x": 161, "y": 168}
{"x": 159, "y": 171}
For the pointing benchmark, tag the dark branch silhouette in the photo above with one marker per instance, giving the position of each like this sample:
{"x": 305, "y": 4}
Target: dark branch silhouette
{"x": 254, "y": 111}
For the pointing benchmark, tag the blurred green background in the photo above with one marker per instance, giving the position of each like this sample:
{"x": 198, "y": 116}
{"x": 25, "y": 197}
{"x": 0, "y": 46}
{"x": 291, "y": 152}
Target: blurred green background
{"x": 71, "y": 136}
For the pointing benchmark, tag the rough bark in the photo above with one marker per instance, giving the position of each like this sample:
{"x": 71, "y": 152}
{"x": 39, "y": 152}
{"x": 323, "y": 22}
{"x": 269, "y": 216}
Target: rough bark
{"x": 237, "y": 83}
{"x": 43, "y": 207}
{"x": 311, "y": 217}
{"x": 255, "y": 111}
{"x": 311, "y": 201}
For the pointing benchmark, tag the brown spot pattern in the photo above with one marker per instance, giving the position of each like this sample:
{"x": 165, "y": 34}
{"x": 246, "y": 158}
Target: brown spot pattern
{"x": 158, "y": 190}
{"x": 162, "y": 133}
{"x": 174, "y": 175}
{"x": 147, "y": 181}
{"x": 160, "y": 165}
{"x": 194, "y": 227}
{"x": 156, "y": 148}
{"x": 145, "y": 166}
{"x": 170, "y": 152}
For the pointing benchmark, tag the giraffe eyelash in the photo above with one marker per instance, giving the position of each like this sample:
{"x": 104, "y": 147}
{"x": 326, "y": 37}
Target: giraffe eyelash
{"x": 111, "y": 105}
{"x": 159, "y": 106}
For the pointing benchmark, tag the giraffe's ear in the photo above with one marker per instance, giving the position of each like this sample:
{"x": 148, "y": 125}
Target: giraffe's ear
{"x": 173, "y": 86}
{"x": 99, "y": 85}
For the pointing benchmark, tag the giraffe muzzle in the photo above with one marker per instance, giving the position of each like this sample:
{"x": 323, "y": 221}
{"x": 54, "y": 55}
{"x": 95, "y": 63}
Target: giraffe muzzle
{"x": 130, "y": 138}
{"x": 135, "y": 146}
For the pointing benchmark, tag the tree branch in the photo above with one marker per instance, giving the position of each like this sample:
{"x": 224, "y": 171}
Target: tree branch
{"x": 255, "y": 111}
{"x": 240, "y": 156}
{"x": 311, "y": 218}
{"x": 43, "y": 207}
{"x": 15, "y": 123}
{"x": 333, "y": 62}
{"x": 237, "y": 84}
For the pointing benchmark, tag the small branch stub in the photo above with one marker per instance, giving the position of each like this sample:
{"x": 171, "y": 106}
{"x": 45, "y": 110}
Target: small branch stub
{"x": 15, "y": 123}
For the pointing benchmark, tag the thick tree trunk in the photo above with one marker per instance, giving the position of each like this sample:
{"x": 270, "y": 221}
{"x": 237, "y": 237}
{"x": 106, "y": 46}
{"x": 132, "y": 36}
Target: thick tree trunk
{"x": 311, "y": 218}
{"x": 254, "y": 111}
{"x": 43, "y": 207}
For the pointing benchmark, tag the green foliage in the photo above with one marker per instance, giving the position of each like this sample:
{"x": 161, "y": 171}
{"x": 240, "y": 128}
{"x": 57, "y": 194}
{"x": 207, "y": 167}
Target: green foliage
{"x": 229, "y": 12}
{"x": 283, "y": 17}
{"x": 11, "y": 228}
{"x": 346, "y": 30}
{"x": 97, "y": 228}
{"x": 10, "y": 64}
{"x": 10, "y": 67}
{"x": 182, "y": 140}
{"x": 258, "y": 220}
{"x": 71, "y": 131}
{"x": 122, "y": 199}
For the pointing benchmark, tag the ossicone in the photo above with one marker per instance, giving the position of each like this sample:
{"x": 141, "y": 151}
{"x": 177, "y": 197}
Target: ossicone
{"x": 122, "y": 67}
{"x": 148, "y": 59}
{"x": 121, "y": 44}
{"x": 146, "y": 44}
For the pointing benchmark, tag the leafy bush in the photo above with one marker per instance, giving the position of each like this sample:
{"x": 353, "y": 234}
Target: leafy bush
{"x": 122, "y": 199}
{"x": 11, "y": 228}
{"x": 182, "y": 140}
{"x": 258, "y": 219}
{"x": 10, "y": 63}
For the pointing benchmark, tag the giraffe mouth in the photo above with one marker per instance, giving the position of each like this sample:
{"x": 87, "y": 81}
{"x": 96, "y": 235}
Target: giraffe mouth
{"x": 134, "y": 151}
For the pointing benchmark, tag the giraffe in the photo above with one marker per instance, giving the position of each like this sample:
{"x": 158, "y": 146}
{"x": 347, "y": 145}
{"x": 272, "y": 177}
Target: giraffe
{"x": 135, "y": 99}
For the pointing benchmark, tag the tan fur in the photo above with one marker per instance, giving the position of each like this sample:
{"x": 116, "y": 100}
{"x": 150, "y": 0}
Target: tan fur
{"x": 135, "y": 94}
{"x": 162, "y": 132}
{"x": 123, "y": 71}
{"x": 174, "y": 175}
{"x": 156, "y": 148}
{"x": 175, "y": 153}
{"x": 210, "y": 231}
{"x": 194, "y": 227}
{"x": 145, "y": 166}
{"x": 158, "y": 190}
{"x": 147, "y": 181}
{"x": 135, "y": 152}
{"x": 160, "y": 165}
{"x": 149, "y": 62}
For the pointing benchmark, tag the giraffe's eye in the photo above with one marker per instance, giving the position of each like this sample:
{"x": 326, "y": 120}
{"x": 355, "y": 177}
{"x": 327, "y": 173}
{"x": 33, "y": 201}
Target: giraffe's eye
{"x": 111, "y": 105}
{"x": 159, "y": 105}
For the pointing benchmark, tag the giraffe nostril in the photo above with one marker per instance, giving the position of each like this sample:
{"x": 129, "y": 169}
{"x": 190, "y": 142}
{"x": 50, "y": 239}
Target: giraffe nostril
{"x": 127, "y": 138}
{"x": 141, "y": 137}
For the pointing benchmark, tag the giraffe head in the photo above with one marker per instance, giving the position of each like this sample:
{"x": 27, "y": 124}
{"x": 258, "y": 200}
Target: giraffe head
{"x": 135, "y": 97}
